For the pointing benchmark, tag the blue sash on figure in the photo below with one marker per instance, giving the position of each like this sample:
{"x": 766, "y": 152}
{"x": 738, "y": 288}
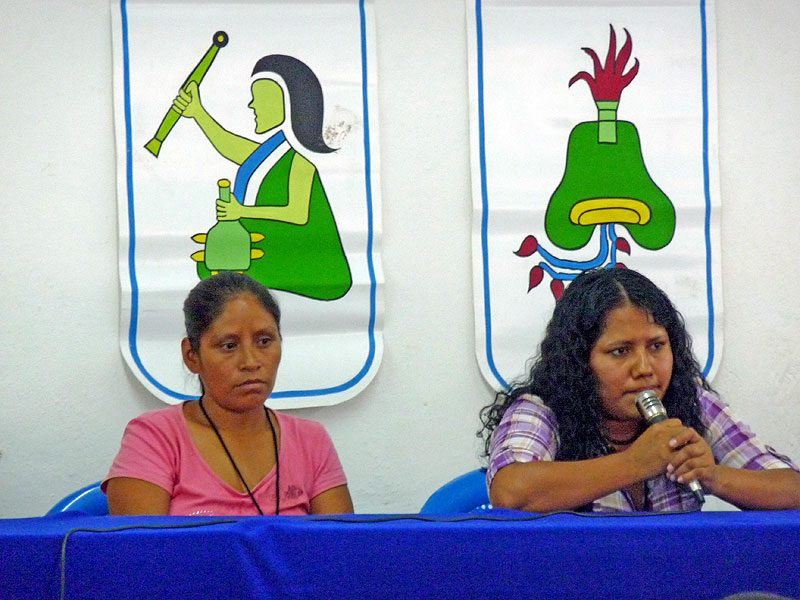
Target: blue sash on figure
{"x": 252, "y": 162}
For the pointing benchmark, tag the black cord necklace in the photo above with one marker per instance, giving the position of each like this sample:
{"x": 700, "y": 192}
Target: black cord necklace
{"x": 610, "y": 440}
{"x": 236, "y": 468}
{"x": 630, "y": 440}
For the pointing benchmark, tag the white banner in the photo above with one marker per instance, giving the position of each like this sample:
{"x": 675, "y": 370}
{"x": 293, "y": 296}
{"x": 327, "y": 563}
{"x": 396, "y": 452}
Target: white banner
{"x": 278, "y": 139}
{"x": 593, "y": 129}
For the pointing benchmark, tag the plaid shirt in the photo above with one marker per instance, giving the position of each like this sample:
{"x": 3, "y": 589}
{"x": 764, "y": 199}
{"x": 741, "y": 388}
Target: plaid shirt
{"x": 528, "y": 431}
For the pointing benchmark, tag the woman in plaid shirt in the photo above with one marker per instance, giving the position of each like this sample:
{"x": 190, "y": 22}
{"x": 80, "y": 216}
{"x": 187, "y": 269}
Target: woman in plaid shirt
{"x": 571, "y": 437}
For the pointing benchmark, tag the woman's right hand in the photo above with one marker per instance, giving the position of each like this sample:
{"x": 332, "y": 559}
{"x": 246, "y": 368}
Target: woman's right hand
{"x": 651, "y": 452}
{"x": 229, "y": 210}
{"x": 187, "y": 103}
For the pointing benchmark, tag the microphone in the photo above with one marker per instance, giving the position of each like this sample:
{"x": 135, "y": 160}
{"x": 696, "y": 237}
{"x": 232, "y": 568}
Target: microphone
{"x": 652, "y": 411}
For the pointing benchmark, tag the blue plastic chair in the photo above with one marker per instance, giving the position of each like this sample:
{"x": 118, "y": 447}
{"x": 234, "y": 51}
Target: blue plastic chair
{"x": 90, "y": 500}
{"x": 463, "y": 494}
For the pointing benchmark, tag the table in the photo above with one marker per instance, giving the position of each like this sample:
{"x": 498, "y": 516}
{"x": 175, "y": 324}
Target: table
{"x": 490, "y": 554}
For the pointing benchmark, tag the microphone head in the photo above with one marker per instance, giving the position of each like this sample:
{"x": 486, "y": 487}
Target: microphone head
{"x": 649, "y": 405}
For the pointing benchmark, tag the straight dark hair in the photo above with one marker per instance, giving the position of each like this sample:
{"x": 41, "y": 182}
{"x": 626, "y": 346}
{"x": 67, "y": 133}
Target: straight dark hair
{"x": 208, "y": 298}
{"x": 305, "y": 98}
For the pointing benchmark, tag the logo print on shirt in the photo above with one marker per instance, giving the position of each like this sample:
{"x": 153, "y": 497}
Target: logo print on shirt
{"x": 293, "y": 492}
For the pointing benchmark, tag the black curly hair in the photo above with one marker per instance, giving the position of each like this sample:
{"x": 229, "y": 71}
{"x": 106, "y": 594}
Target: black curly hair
{"x": 560, "y": 373}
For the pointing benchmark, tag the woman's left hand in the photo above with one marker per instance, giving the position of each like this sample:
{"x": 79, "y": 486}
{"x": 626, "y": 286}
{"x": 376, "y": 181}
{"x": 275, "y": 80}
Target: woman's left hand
{"x": 692, "y": 460}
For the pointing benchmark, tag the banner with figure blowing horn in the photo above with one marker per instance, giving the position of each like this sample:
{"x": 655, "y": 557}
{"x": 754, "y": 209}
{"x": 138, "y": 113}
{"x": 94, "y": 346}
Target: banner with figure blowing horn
{"x": 593, "y": 137}
{"x": 247, "y": 141}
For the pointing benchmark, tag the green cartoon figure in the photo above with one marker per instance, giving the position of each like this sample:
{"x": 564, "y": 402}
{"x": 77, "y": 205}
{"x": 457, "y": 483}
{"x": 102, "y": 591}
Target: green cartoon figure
{"x": 605, "y": 184}
{"x": 278, "y": 196}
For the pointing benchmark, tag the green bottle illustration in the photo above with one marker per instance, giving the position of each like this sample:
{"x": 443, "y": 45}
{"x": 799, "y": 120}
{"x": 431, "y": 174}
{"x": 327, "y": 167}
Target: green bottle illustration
{"x": 227, "y": 242}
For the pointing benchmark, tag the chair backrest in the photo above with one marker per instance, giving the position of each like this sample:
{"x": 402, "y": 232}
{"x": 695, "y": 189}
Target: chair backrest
{"x": 463, "y": 494}
{"x": 90, "y": 500}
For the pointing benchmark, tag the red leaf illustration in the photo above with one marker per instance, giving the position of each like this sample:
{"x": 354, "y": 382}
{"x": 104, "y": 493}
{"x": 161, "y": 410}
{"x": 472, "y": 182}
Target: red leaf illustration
{"x": 529, "y": 246}
{"x": 620, "y": 266}
{"x": 557, "y": 287}
{"x": 537, "y": 273}
{"x": 623, "y": 245}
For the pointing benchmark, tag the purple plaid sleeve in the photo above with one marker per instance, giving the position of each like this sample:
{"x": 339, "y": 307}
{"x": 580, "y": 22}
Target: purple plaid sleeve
{"x": 526, "y": 432}
{"x": 732, "y": 442}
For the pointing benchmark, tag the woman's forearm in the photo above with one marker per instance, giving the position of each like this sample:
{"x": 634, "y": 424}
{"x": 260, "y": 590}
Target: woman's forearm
{"x": 542, "y": 486}
{"x": 129, "y": 496}
{"x": 233, "y": 147}
{"x": 769, "y": 489}
{"x": 335, "y": 501}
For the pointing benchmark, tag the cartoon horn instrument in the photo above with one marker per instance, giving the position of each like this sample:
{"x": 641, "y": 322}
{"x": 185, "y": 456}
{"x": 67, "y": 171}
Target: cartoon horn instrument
{"x": 220, "y": 40}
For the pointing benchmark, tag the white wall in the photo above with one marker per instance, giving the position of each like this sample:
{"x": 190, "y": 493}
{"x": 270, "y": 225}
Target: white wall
{"x": 65, "y": 394}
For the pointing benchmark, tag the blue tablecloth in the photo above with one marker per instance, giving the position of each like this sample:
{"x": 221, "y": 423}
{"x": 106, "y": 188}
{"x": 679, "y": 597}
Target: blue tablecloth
{"x": 495, "y": 554}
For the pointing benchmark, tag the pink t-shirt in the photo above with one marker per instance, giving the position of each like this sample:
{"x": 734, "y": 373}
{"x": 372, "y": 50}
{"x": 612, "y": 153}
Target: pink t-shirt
{"x": 157, "y": 447}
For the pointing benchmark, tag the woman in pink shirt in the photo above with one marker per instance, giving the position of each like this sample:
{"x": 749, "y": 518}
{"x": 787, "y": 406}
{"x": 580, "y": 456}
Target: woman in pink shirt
{"x": 227, "y": 453}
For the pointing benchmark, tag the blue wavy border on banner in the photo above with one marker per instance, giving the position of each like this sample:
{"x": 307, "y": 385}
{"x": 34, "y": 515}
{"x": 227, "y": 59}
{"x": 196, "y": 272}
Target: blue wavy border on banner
{"x": 487, "y": 302}
{"x": 133, "y": 328}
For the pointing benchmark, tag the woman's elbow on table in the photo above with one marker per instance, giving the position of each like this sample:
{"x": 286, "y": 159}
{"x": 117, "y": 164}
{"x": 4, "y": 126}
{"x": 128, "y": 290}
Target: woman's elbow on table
{"x": 508, "y": 491}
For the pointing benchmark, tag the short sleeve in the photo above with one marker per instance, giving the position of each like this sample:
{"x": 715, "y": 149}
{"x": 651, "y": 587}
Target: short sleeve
{"x": 326, "y": 466}
{"x": 148, "y": 451}
{"x": 733, "y": 443}
{"x": 526, "y": 432}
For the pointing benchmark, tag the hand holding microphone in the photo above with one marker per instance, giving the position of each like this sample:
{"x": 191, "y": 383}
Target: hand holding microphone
{"x": 652, "y": 411}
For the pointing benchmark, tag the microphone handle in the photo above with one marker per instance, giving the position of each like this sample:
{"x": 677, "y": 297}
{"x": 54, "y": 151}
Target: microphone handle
{"x": 694, "y": 486}
{"x": 697, "y": 490}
